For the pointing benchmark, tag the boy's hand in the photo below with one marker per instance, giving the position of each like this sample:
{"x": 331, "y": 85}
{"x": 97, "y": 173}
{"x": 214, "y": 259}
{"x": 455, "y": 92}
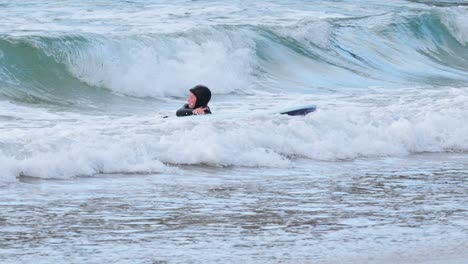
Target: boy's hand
{"x": 199, "y": 111}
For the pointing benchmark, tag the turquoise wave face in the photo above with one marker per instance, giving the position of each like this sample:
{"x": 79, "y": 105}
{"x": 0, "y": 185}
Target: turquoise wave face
{"x": 30, "y": 74}
{"x": 39, "y": 71}
{"x": 416, "y": 47}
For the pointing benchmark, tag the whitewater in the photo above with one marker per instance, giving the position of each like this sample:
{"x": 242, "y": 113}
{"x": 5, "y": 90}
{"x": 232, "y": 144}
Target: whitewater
{"x": 92, "y": 171}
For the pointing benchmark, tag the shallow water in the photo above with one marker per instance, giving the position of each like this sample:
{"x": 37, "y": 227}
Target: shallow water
{"x": 391, "y": 210}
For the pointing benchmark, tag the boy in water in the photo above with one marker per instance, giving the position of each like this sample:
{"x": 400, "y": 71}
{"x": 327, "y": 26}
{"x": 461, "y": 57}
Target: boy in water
{"x": 197, "y": 102}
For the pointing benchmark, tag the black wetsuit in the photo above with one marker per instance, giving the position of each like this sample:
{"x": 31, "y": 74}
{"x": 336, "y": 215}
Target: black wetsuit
{"x": 186, "y": 111}
{"x": 203, "y": 95}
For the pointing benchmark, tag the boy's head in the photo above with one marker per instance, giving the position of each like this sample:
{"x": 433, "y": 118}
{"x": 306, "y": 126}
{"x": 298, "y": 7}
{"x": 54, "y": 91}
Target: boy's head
{"x": 202, "y": 96}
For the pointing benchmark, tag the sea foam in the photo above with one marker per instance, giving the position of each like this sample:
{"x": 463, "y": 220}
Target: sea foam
{"x": 366, "y": 126}
{"x": 166, "y": 66}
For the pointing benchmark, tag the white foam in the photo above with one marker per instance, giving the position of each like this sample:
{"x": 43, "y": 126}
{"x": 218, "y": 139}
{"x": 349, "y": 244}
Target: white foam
{"x": 167, "y": 66}
{"x": 317, "y": 32}
{"x": 372, "y": 125}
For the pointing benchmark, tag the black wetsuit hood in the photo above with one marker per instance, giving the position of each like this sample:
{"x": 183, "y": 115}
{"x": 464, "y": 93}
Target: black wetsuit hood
{"x": 203, "y": 95}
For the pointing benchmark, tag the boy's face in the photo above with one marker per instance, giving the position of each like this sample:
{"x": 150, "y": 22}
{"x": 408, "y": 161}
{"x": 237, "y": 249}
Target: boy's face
{"x": 191, "y": 100}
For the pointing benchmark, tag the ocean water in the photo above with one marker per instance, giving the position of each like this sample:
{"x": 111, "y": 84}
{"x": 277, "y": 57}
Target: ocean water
{"x": 92, "y": 172}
